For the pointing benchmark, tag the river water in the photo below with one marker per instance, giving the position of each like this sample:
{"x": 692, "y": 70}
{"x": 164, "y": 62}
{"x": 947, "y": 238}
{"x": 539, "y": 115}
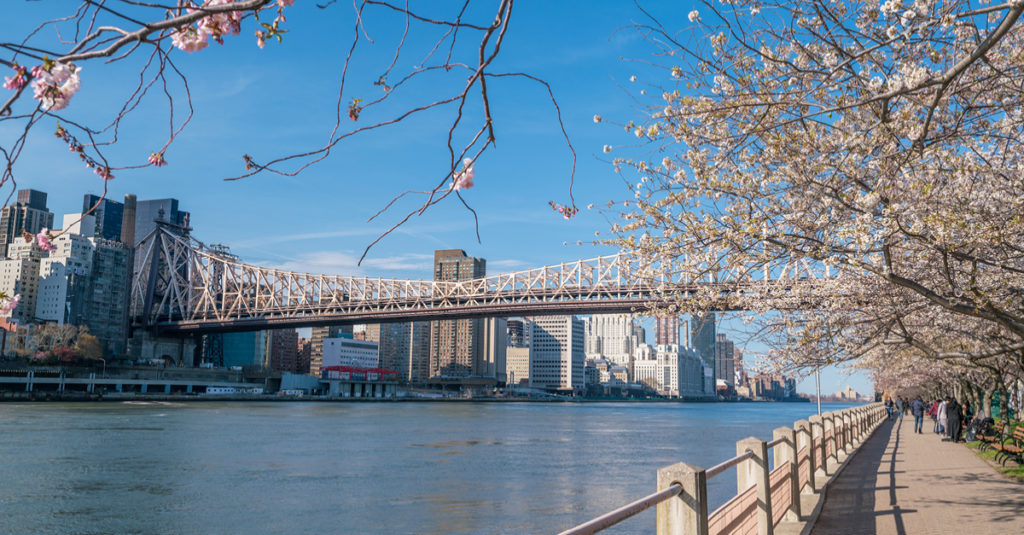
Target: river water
{"x": 151, "y": 468}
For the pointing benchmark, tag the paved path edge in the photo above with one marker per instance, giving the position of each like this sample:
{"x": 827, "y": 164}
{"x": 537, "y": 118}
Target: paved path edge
{"x": 815, "y": 502}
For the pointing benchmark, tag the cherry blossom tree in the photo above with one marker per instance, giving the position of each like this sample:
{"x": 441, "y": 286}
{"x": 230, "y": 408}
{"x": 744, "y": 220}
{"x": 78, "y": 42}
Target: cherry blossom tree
{"x": 880, "y": 141}
{"x": 50, "y": 64}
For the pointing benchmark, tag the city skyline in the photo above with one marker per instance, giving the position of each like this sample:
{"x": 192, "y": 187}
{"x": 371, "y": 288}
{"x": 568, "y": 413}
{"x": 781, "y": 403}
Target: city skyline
{"x": 317, "y": 221}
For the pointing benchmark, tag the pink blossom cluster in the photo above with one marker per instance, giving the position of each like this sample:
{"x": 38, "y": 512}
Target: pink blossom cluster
{"x": 8, "y": 304}
{"x": 19, "y": 80}
{"x": 567, "y": 211}
{"x": 54, "y": 84}
{"x": 43, "y": 240}
{"x": 464, "y": 179}
{"x": 157, "y": 159}
{"x": 217, "y": 25}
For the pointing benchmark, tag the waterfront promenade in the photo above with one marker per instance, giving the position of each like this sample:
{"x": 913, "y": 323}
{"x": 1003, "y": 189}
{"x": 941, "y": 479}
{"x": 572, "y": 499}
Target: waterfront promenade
{"x": 905, "y": 483}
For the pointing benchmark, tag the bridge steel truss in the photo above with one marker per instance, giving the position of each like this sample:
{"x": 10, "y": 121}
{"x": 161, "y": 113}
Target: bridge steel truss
{"x": 182, "y": 287}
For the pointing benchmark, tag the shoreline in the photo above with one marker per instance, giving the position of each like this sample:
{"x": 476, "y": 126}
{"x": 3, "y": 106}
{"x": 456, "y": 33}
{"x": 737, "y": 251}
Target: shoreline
{"x": 55, "y": 397}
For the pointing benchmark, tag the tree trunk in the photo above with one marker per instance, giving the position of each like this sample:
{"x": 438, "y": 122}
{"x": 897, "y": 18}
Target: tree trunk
{"x": 987, "y": 401}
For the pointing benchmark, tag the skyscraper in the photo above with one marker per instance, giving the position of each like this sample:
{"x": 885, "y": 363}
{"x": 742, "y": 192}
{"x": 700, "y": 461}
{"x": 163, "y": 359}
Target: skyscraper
{"x": 456, "y": 346}
{"x": 28, "y": 214}
{"x": 147, "y": 213}
{"x": 666, "y": 331}
{"x": 282, "y": 350}
{"x": 108, "y": 215}
{"x": 702, "y": 332}
{"x": 725, "y": 365}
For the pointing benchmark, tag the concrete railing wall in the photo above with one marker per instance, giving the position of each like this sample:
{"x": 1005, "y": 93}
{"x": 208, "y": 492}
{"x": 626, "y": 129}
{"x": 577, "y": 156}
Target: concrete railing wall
{"x": 805, "y": 457}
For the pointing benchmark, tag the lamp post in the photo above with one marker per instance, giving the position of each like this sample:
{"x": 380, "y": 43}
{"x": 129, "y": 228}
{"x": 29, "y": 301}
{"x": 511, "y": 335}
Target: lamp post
{"x": 817, "y": 386}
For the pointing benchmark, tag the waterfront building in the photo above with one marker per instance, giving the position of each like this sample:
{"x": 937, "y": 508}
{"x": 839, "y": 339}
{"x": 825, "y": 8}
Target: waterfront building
{"x": 283, "y": 350}
{"x": 557, "y": 353}
{"x": 316, "y": 351}
{"x": 149, "y": 213}
{"x": 27, "y": 214}
{"x": 245, "y": 349}
{"x": 456, "y": 346}
{"x": 517, "y": 366}
{"x": 725, "y": 366}
{"x": 85, "y": 281}
{"x": 702, "y": 336}
{"x": 612, "y": 337}
{"x": 345, "y": 351}
{"x": 672, "y": 370}
{"x": 19, "y": 275}
{"x": 107, "y": 216}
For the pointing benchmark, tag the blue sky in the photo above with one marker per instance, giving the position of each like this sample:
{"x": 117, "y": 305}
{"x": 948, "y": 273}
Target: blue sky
{"x": 281, "y": 100}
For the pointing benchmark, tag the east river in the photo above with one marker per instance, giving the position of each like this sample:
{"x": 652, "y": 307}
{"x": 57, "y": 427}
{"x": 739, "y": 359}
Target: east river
{"x": 416, "y": 467}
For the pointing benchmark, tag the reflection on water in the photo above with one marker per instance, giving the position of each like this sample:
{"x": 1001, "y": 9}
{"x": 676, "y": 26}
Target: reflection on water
{"x": 169, "y": 468}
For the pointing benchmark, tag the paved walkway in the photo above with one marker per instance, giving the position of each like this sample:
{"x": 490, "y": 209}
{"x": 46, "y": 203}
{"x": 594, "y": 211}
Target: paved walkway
{"x": 901, "y": 482}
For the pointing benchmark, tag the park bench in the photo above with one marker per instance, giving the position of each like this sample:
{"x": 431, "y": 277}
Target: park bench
{"x": 993, "y": 437}
{"x": 1011, "y": 447}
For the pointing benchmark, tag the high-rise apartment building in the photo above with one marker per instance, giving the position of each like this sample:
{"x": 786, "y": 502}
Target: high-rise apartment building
{"x": 457, "y": 346}
{"x": 283, "y": 350}
{"x": 725, "y": 365}
{"x": 403, "y": 348}
{"x": 666, "y": 331}
{"x": 495, "y": 345}
{"x": 19, "y": 275}
{"x": 702, "y": 335}
{"x": 85, "y": 281}
{"x": 557, "y": 353}
{"x": 149, "y": 213}
{"x": 28, "y": 214}
{"x": 302, "y": 355}
{"x": 108, "y": 216}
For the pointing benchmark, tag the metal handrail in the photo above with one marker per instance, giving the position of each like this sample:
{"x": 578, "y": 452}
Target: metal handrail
{"x": 776, "y": 442}
{"x": 723, "y": 466}
{"x": 608, "y": 520}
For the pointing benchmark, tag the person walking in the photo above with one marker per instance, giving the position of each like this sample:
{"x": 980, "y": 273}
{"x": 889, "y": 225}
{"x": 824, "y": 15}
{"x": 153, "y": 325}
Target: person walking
{"x": 899, "y": 407}
{"x": 933, "y": 411}
{"x": 888, "y": 407}
{"x": 941, "y": 411}
{"x": 954, "y": 419}
{"x": 917, "y": 408}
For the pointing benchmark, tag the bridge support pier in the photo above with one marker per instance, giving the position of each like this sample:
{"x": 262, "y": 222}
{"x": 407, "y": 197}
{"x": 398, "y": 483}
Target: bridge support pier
{"x": 178, "y": 350}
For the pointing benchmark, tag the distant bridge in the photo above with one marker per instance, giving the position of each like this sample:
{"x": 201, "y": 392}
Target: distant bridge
{"x": 181, "y": 287}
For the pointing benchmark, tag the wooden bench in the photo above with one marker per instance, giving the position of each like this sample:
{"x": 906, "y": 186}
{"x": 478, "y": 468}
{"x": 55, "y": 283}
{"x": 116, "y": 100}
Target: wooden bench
{"x": 994, "y": 437}
{"x": 1012, "y": 447}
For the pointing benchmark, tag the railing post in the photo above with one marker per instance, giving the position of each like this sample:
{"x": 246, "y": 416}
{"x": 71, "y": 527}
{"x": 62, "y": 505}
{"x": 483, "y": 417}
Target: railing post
{"x": 687, "y": 513}
{"x": 754, "y": 473}
{"x": 818, "y": 432}
{"x": 804, "y": 440}
{"x": 830, "y": 431}
{"x": 786, "y": 453}
{"x": 848, "y": 426}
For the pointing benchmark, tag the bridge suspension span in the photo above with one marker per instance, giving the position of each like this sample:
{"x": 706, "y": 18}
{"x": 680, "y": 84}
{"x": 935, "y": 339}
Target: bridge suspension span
{"x": 181, "y": 286}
